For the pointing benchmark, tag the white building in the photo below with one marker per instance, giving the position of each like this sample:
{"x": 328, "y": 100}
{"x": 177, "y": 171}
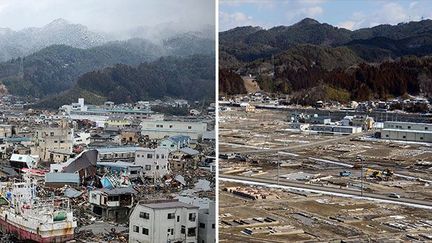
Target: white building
{"x": 207, "y": 224}
{"x": 408, "y": 126}
{"x": 299, "y": 126}
{"x": 163, "y": 221}
{"x": 407, "y": 131}
{"x": 80, "y": 106}
{"x": 154, "y": 162}
{"x": 335, "y": 129}
{"x": 160, "y": 129}
{"x": 82, "y": 138}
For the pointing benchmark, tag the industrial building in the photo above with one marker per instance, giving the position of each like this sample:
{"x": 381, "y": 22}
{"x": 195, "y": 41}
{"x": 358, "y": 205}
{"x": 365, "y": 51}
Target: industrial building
{"x": 155, "y": 129}
{"x": 407, "y": 131}
{"x": 333, "y": 129}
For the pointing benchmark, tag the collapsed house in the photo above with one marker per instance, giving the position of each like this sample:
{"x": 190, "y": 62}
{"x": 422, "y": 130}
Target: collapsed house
{"x": 112, "y": 204}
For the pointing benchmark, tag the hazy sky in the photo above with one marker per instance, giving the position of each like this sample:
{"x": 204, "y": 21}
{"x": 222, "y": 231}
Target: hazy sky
{"x": 350, "y": 14}
{"x": 106, "y": 15}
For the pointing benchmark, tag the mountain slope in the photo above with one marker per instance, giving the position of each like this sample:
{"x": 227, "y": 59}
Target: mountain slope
{"x": 56, "y": 68}
{"x": 14, "y": 44}
{"x": 310, "y": 54}
{"x": 246, "y": 44}
{"x": 189, "y": 78}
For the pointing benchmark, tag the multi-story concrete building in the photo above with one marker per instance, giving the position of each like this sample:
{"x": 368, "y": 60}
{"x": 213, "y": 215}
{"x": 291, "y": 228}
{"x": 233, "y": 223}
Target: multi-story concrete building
{"x": 117, "y": 153}
{"x": 154, "y": 162}
{"x": 407, "y": 131}
{"x": 164, "y": 221}
{"x": 53, "y": 144}
{"x": 6, "y": 131}
{"x": 207, "y": 224}
{"x": 160, "y": 129}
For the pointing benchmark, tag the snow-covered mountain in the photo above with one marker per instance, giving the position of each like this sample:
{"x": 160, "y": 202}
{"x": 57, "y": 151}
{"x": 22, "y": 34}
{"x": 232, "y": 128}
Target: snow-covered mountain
{"x": 24, "y": 42}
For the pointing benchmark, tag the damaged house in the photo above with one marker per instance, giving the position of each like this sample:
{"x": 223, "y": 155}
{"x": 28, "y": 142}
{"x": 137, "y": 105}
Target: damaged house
{"x": 112, "y": 204}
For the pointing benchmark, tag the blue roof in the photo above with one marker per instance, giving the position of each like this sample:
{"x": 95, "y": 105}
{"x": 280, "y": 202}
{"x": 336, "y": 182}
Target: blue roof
{"x": 179, "y": 138}
{"x": 17, "y": 139}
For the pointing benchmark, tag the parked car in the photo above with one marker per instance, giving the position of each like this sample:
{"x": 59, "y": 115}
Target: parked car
{"x": 394, "y": 195}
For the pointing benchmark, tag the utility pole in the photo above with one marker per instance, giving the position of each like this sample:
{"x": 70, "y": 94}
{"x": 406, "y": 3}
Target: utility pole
{"x": 278, "y": 168}
{"x": 361, "y": 190}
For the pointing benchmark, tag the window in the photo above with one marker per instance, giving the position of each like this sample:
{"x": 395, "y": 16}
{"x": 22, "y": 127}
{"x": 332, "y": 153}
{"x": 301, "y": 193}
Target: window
{"x": 149, "y": 156}
{"x": 52, "y": 134}
{"x": 183, "y": 229}
{"x": 145, "y": 231}
{"x": 55, "y": 141}
{"x": 202, "y": 225}
{"x": 409, "y": 127}
{"x": 171, "y": 231}
{"x": 421, "y": 138}
{"x": 171, "y": 216}
{"x": 189, "y": 127}
{"x": 192, "y": 217}
{"x": 157, "y": 156}
{"x": 162, "y": 156}
{"x": 403, "y": 136}
{"x": 387, "y": 135}
{"x": 426, "y": 128}
{"x": 178, "y": 218}
{"x": 213, "y": 226}
{"x": 171, "y": 126}
{"x": 144, "y": 215}
{"x": 148, "y": 167}
{"x": 157, "y": 167}
{"x": 191, "y": 232}
{"x": 135, "y": 229}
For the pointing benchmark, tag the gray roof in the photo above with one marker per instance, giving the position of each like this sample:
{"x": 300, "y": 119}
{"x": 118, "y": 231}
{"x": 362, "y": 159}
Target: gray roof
{"x": 118, "y": 164}
{"x": 72, "y": 193}
{"x": 118, "y": 191}
{"x": 118, "y": 149}
{"x": 162, "y": 204}
{"x": 62, "y": 178}
{"x": 189, "y": 151}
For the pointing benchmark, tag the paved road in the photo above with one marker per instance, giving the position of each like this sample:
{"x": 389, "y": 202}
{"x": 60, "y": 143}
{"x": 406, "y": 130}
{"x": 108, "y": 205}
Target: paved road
{"x": 343, "y": 192}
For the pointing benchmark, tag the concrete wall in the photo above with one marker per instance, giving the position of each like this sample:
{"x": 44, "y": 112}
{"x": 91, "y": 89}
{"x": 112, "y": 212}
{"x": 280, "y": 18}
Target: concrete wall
{"x": 159, "y": 226}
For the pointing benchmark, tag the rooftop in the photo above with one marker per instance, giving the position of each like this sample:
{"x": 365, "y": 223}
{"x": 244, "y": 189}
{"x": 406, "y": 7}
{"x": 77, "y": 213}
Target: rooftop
{"x": 162, "y": 204}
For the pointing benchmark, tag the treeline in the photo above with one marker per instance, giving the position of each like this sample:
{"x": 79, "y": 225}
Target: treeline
{"x": 190, "y": 78}
{"x": 409, "y": 75}
{"x": 230, "y": 83}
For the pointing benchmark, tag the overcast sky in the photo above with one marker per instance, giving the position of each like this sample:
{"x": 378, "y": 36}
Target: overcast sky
{"x": 350, "y": 14}
{"x": 107, "y": 15}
